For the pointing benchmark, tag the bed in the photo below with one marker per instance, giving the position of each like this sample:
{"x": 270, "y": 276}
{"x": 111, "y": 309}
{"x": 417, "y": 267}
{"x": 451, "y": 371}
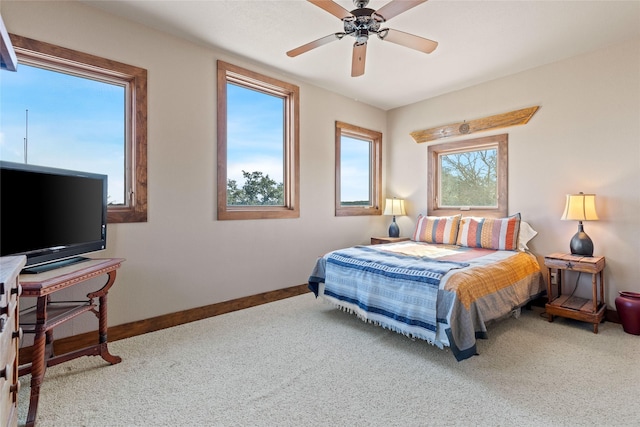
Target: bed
{"x": 443, "y": 286}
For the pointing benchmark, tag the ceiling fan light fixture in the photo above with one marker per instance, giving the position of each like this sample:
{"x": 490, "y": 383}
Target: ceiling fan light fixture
{"x": 383, "y": 33}
{"x": 362, "y": 36}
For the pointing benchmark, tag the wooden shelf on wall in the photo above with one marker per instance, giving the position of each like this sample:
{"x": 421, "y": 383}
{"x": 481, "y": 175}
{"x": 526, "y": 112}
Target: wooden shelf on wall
{"x": 512, "y": 118}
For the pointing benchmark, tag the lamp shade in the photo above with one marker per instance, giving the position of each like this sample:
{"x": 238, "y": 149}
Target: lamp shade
{"x": 580, "y": 207}
{"x": 394, "y": 207}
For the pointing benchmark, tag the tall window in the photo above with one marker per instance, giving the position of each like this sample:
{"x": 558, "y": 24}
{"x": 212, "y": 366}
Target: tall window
{"x": 358, "y": 170}
{"x": 71, "y": 110}
{"x": 258, "y": 159}
{"x": 469, "y": 176}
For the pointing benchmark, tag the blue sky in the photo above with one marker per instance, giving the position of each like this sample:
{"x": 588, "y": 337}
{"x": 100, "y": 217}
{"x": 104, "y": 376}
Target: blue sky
{"x": 255, "y": 130}
{"x": 73, "y": 123}
{"x": 354, "y": 169}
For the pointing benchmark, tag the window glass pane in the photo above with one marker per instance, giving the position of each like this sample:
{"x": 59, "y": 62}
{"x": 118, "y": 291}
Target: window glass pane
{"x": 355, "y": 172}
{"x": 67, "y": 121}
{"x": 469, "y": 178}
{"x": 255, "y": 147}
{"x": 358, "y": 170}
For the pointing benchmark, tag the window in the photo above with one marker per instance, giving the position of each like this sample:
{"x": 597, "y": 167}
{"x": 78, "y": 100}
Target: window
{"x": 358, "y": 170}
{"x": 469, "y": 176}
{"x": 258, "y": 158}
{"x": 67, "y": 109}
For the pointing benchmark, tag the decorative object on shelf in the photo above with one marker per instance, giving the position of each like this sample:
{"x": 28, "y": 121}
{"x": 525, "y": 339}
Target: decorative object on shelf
{"x": 580, "y": 207}
{"x": 628, "y": 306}
{"x": 394, "y": 207}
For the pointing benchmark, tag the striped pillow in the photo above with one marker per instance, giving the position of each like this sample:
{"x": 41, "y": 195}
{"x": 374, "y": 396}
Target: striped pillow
{"x": 437, "y": 229}
{"x": 490, "y": 233}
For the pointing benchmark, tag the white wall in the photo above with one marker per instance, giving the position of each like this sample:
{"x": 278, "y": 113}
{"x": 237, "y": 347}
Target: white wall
{"x": 183, "y": 257}
{"x": 585, "y": 137}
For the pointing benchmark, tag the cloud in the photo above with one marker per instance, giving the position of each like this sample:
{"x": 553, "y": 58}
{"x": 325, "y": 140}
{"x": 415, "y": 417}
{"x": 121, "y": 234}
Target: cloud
{"x": 267, "y": 165}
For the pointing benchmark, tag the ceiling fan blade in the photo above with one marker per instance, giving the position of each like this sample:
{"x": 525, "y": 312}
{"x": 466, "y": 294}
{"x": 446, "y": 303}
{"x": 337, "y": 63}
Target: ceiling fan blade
{"x": 314, "y": 44}
{"x": 333, "y": 8}
{"x": 358, "y": 59}
{"x": 396, "y": 7}
{"x": 409, "y": 40}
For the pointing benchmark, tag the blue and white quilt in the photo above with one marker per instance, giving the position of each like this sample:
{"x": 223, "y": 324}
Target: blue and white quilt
{"x": 395, "y": 291}
{"x": 442, "y": 294}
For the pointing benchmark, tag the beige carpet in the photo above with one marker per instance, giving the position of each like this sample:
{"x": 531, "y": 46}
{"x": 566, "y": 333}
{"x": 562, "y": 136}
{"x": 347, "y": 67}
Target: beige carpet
{"x": 299, "y": 362}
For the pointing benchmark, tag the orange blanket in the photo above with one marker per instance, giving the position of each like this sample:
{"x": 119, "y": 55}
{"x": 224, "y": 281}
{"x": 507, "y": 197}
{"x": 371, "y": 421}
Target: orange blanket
{"x": 476, "y": 282}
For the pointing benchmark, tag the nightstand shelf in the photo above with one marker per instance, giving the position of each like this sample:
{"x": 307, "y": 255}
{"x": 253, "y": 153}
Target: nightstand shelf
{"x": 384, "y": 240}
{"x": 582, "y": 309}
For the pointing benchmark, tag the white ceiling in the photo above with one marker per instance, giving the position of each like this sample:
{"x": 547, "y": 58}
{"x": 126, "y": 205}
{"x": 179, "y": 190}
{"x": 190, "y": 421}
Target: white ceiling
{"x": 478, "y": 40}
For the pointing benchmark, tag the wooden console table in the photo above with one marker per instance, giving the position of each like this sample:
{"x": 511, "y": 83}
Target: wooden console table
{"x": 47, "y": 314}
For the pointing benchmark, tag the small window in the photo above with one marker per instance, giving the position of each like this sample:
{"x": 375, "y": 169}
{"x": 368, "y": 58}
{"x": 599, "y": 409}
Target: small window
{"x": 469, "y": 176}
{"x": 258, "y": 159}
{"x": 72, "y": 110}
{"x": 358, "y": 170}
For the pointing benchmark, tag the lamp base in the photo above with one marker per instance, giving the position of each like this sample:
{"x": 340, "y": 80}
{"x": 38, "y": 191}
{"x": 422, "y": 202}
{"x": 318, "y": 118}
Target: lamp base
{"x": 394, "y": 230}
{"x": 581, "y": 244}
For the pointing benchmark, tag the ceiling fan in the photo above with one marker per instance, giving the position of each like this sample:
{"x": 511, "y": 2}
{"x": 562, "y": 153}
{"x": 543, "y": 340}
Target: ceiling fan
{"x": 363, "y": 22}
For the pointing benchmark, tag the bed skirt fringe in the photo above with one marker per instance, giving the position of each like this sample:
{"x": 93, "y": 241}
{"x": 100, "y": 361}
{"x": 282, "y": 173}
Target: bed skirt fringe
{"x": 362, "y": 316}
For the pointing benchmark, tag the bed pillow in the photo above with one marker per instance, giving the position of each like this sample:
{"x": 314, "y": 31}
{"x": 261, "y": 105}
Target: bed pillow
{"x": 490, "y": 233}
{"x": 437, "y": 229}
{"x": 525, "y": 235}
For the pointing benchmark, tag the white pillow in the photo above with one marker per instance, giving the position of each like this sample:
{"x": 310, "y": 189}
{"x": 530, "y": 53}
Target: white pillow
{"x": 526, "y": 234}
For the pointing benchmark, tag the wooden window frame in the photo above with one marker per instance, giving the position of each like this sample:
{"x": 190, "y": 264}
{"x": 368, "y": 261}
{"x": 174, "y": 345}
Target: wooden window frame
{"x": 345, "y": 129}
{"x": 291, "y": 179}
{"x": 52, "y": 57}
{"x": 501, "y": 142}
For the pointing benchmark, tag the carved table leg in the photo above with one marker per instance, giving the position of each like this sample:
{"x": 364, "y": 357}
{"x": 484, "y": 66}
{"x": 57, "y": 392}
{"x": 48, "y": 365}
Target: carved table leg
{"x": 38, "y": 364}
{"x": 102, "y": 319}
{"x": 102, "y": 329}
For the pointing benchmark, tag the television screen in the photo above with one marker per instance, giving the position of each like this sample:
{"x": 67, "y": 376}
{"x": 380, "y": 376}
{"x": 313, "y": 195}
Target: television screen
{"x": 51, "y": 214}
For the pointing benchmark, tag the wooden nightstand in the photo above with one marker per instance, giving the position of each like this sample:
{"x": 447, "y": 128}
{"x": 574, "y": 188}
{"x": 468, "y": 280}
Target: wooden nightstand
{"x": 573, "y": 307}
{"x": 383, "y": 240}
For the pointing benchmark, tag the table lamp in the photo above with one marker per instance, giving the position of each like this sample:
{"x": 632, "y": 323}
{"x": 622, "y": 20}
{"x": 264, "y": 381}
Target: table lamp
{"x": 580, "y": 207}
{"x": 394, "y": 207}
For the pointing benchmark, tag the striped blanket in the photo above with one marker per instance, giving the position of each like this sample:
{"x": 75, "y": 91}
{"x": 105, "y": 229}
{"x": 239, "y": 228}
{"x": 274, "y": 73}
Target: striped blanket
{"x": 396, "y": 286}
{"x": 395, "y": 291}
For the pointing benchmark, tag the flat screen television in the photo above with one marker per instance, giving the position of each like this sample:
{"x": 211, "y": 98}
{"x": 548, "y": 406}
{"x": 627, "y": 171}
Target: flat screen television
{"x": 53, "y": 216}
